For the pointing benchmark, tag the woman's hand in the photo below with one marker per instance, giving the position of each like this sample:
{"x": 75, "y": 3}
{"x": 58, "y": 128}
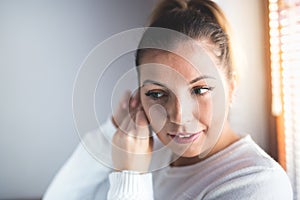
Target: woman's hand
{"x": 132, "y": 144}
{"x": 126, "y": 103}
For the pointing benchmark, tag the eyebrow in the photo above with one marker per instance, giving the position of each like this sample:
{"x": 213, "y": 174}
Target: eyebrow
{"x": 191, "y": 82}
{"x": 153, "y": 82}
{"x": 200, "y": 78}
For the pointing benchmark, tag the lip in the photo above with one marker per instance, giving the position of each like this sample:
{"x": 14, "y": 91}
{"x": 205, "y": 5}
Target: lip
{"x": 184, "y": 138}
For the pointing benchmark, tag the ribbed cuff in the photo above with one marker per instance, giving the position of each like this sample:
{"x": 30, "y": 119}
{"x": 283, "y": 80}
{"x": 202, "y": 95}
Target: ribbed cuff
{"x": 130, "y": 185}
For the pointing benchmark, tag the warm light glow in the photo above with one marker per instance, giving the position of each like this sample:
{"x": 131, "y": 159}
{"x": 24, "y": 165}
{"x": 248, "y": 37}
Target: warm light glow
{"x": 273, "y": 7}
{"x": 284, "y": 17}
{"x": 275, "y": 58}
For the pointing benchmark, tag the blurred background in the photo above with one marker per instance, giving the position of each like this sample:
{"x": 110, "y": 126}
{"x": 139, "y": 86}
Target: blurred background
{"x": 42, "y": 45}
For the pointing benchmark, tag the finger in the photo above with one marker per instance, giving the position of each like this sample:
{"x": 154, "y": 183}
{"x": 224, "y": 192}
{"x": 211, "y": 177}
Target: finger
{"x": 114, "y": 122}
{"x": 125, "y": 99}
{"x": 128, "y": 127}
{"x": 124, "y": 126}
{"x": 141, "y": 118}
{"x": 134, "y": 100}
{"x": 142, "y": 123}
{"x": 121, "y": 110}
{"x": 134, "y": 104}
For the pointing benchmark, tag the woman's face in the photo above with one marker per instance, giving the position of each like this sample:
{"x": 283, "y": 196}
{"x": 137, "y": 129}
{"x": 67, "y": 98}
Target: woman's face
{"x": 177, "y": 99}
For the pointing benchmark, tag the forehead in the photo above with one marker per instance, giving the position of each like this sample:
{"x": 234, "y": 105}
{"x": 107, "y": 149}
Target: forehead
{"x": 182, "y": 63}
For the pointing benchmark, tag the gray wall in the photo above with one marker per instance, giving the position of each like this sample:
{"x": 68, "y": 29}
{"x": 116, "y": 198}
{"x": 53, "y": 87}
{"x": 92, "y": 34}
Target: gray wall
{"x": 249, "y": 114}
{"x": 42, "y": 45}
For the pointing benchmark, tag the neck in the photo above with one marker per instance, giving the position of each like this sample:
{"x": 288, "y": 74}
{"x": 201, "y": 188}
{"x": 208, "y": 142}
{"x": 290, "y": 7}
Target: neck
{"x": 228, "y": 136}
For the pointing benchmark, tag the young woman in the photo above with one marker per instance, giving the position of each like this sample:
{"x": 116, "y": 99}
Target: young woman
{"x": 185, "y": 88}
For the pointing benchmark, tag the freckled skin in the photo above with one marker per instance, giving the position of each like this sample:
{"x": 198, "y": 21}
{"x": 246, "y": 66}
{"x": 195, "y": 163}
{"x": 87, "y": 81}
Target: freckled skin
{"x": 188, "y": 107}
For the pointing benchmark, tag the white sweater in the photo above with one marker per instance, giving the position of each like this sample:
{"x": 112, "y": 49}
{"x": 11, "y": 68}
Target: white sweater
{"x": 241, "y": 171}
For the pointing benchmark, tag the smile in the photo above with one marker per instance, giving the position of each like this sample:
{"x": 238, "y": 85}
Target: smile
{"x": 184, "y": 138}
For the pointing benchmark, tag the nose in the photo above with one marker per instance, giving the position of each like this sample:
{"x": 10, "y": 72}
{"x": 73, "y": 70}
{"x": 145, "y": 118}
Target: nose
{"x": 181, "y": 111}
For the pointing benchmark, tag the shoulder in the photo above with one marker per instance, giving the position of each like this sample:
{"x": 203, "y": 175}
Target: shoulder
{"x": 249, "y": 173}
{"x": 252, "y": 183}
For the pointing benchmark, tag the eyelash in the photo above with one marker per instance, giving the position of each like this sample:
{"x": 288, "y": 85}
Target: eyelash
{"x": 207, "y": 88}
{"x": 152, "y": 94}
{"x": 155, "y": 94}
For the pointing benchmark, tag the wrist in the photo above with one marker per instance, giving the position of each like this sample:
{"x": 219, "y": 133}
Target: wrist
{"x": 131, "y": 181}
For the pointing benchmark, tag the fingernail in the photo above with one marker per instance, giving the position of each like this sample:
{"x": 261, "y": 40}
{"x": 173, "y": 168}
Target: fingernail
{"x": 124, "y": 105}
{"x": 133, "y": 102}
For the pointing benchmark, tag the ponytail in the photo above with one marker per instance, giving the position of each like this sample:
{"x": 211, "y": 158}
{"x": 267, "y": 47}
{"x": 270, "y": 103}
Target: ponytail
{"x": 210, "y": 8}
{"x": 201, "y": 20}
{"x": 166, "y": 6}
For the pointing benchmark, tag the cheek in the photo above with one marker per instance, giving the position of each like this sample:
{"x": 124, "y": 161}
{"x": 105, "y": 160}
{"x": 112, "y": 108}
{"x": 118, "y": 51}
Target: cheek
{"x": 204, "y": 111}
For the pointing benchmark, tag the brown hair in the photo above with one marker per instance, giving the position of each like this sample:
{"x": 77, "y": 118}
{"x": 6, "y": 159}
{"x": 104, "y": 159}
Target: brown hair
{"x": 201, "y": 20}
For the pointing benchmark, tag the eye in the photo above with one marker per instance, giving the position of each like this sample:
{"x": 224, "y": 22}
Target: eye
{"x": 202, "y": 90}
{"x": 155, "y": 95}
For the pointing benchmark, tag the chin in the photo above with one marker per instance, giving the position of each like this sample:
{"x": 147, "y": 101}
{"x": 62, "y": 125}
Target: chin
{"x": 187, "y": 153}
{"x": 184, "y": 150}
{"x": 190, "y": 155}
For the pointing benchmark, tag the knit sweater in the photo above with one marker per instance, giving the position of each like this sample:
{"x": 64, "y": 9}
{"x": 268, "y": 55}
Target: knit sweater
{"x": 240, "y": 171}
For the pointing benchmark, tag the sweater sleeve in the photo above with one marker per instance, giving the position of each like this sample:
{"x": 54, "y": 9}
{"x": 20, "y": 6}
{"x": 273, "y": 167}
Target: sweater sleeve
{"x": 255, "y": 185}
{"x": 80, "y": 177}
{"x": 130, "y": 185}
